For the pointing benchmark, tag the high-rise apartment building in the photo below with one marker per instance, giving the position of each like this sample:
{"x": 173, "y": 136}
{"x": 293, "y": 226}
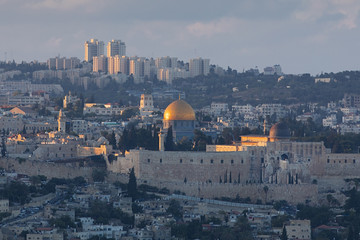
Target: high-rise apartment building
{"x": 100, "y": 64}
{"x": 123, "y": 64}
{"x": 93, "y": 48}
{"x": 169, "y": 74}
{"x": 116, "y": 47}
{"x": 118, "y": 64}
{"x": 58, "y": 63}
{"x": 199, "y": 66}
{"x": 139, "y": 68}
{"x": 166, "y": 62}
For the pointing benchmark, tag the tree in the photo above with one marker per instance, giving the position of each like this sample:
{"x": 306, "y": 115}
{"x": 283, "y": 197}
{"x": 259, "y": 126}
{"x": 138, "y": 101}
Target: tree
{"x": 99, "y": 175}
{"x": 3, "y": 145}
{"x": 63, "y": 222}
{"x": 266, "y": 190}
{"x": 284, "y": 234}
{"x": 132, "y": 185}
{"x": 169, "y": 142}
{"x": 112, "y": 139}
{"x": 351, "y": 233}
{"x": 175, "y": 209}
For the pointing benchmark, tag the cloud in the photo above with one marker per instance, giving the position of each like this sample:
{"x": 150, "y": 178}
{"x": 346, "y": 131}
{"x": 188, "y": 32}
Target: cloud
{"x": 347, "y": 10}
{"x": 54, "y": 42}
{"x": 209, "y": 29}
{"x": 66, "y": 5}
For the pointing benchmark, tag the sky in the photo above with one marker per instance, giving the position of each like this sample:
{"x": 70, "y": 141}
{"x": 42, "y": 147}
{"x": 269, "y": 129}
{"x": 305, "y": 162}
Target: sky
{"x": 303, "y": 36}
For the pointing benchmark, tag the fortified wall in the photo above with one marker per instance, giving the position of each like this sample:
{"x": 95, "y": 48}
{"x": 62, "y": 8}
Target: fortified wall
{"x": 202, "y": 167}
{"x": 48, "y": 169}
{"x": 293, "y": 194}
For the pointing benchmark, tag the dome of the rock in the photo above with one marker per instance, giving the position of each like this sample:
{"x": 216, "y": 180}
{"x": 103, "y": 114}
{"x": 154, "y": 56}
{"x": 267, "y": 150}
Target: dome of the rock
{"x": 179, "y": 110}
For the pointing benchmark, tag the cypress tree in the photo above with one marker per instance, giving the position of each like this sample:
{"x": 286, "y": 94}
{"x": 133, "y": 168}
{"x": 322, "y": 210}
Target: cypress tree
{"x": 132, "y": 186}
{"x": 284, "y": 234}
{"x": 169, "y": 143}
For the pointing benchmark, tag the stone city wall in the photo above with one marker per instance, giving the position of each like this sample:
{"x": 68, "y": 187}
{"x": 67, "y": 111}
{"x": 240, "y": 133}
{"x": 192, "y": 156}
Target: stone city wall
{"x": 48, "y": 169}
{"x": 342, "y": 165}
{"x": 192, "y": 166}
{"x": 293, "y": 194}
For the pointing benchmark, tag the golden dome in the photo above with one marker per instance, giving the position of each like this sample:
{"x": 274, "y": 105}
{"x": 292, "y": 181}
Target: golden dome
{"x": 279, "y": 130}
{"x": 179, "y": 110}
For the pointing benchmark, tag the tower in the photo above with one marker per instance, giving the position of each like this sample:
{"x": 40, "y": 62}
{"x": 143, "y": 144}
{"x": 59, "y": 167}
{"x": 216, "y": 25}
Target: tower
{"x": 63, "y": 123}
{"x": 93, "y": 48}
{"x": 116, "y": 47}
{"x": 199, "y": 66}
{"x": 146, "y": 104}
{"x": 161, "y": 140}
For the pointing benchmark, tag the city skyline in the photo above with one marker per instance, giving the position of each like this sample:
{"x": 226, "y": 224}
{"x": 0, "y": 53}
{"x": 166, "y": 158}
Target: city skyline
{"x": 303, "y": 36}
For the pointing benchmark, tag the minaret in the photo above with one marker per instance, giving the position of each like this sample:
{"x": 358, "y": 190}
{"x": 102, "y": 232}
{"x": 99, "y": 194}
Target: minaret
{"x": 161, "y": 140}
{"x": 61, "y": 122}
{"x": 264, "y": 126}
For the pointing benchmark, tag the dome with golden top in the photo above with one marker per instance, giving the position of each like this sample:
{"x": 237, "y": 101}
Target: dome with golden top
{"x": 279, "y": 130}
{"x": 179, "y": 110}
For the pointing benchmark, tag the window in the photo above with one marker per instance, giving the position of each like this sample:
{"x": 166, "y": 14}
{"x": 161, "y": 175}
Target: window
{"x": 222, "y": 161}
{"x": 180, "y": 160}
{"x": 191, "y": 160}
{"x": 211, "y": 161}
{"x": 354, "y": 161}
{"x": 242, "y": 161}
{"x": 201, "y": 161}
{"x": 160, "y": 160}
{"x": 232, "y": 161}
{"x": 328, "y": 161}
{"x": 345, "y": 160}
{"x": 148, "y": 160}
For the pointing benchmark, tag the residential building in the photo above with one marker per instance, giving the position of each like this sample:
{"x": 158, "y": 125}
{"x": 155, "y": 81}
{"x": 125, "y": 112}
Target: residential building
{"x": 323, "y": 80}
{"x": 329, "y": 121}
{"x": 243, "y": 109}
{"x": 219, "y": 108}
{"x": 169, "y": 74}
{"x": 199, "y": 66}
{"x": 93, "y": 48}
{"x": 24, "y": 111}
{"x": 298, "y": 230}
{"x": 100, "y": 64}
{"x": 4, "y": 205}
{"x": 139, "y": 68}
{"x": 166, "y": 62}
{"x": 116, "y": 47}
{"x": 58, "y": 63}
{"x": 102, "y": 109}
{"x": 351, "y": 100}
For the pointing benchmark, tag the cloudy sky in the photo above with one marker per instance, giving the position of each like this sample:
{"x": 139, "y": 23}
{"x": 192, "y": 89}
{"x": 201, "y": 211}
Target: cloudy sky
{"x": 301, "y": 35}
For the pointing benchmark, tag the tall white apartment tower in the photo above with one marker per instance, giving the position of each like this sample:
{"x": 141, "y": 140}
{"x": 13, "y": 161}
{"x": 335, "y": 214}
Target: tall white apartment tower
{"x": 100, "y": 64}
{"x": 199, "y": 66}
{"x": 139, "y": 68}
{"x": 93, "y": 48}
{"x": 116, "y": 47}
{"x": 166, "y": 62}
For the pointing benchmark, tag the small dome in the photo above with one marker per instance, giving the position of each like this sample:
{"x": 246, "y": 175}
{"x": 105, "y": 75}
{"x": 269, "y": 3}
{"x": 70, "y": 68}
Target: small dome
{"x": 279, "y": 130}
{"x": 179, "y": 110}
